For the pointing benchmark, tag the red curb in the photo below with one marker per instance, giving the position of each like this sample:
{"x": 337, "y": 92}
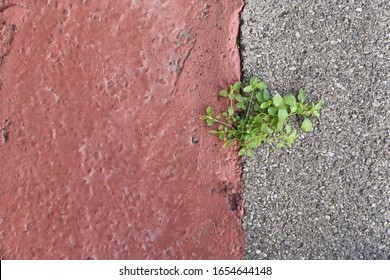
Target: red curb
{"x": 105, "y": 156}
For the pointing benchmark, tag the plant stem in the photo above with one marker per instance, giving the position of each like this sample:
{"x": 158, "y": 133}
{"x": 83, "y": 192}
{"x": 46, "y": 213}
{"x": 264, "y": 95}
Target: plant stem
{"x": 221, "y": 122}
{"x": 250, "y": 103}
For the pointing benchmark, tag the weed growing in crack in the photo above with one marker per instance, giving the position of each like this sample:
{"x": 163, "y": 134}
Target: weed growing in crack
{"x": 254, "y": 117}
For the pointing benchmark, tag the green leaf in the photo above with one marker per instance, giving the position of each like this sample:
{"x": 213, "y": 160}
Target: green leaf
{"x": 214, "y": 132}
{"x": 209, "y": 111}
{"x": 281, "y": 144}
{"x": 288, "y": 129}
{"x": 242, "y": 152}
{"x": 221, "y": 127}
{"x": 316, "y": 113}
{"x": 239, "y": 98}
{"x": 282, "y": 115}
{"x": 294, "y": 108}
{"x": 261, "y": 85}
{"x": 319, "y": 105}
{"x": 290, "y": 139}
{"x": 265, "y": 129}
{"x": 266, "y": 96}
{"x": 279, "y": 126}
{"x": 306, "y": 125}
{"x": 301, "y": 96}
{"x": 223, "y": 93}
{"x": 204, "y": 118}
{"x": 248, "y": 89}
{"x": 253, "y": 81}
{"x": 259, "y": 96}
{"x": 230, "y": 111}
{"x": 210, "y": 122}
{"x": 264, "y": 105}
{"x": 274, "y": 122}
{"x": 289, "y": 100}
{"x": 257, "y": 120}
{"x": 250, "y": 153}
{"x": 236, "y": 86}
{"x": 305, "y": 107}
{"x": 218, "y": 117}
{"x": 277, "y": 100}
{"x": 257, "y": 107}
{"x": 231, "y": 96}
{"x": 225, "y": 114}
{"x": 271, "y": 110}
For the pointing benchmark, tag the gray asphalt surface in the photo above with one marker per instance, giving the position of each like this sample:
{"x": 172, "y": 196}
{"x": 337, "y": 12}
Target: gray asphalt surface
{"x": 328, "y": 197}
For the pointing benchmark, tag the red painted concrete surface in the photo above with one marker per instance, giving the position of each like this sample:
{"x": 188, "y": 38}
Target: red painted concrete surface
{"x": 103, "y": 155}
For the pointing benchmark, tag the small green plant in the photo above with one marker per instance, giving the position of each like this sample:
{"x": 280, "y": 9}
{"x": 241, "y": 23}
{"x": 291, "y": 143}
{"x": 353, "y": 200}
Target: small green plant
{"x": 254, "y": 117}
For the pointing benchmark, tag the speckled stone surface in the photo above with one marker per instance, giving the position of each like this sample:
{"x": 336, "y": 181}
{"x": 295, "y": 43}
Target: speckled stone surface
{"x": 103, "y": 153}
{"x": 328, "y": 197}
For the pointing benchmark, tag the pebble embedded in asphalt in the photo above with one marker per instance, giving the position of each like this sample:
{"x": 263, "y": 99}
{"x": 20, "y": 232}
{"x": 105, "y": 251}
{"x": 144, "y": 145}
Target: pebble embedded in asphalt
{"x": 328, "y": 197}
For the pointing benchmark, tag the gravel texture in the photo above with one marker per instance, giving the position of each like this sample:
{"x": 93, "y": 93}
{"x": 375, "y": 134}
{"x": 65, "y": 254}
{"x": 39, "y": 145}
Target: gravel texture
{"x": 328, "y": 197}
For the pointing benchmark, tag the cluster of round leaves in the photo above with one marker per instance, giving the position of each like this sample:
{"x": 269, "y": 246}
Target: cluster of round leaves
{"x": 254, "y": 116}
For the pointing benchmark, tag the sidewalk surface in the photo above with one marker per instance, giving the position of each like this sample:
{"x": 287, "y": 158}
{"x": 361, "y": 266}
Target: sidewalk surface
{"x": 103, "y": 155}
{"x": 329, "y": 196}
